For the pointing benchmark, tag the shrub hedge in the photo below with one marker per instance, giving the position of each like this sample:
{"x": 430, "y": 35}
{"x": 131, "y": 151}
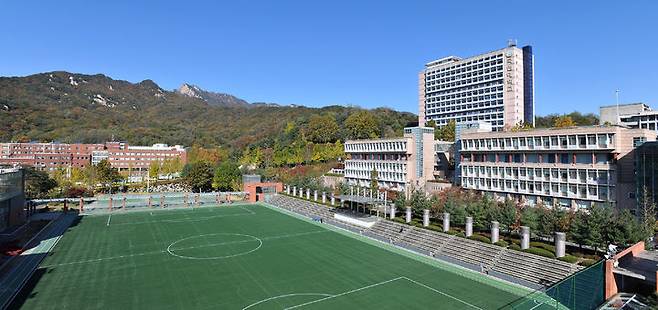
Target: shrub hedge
{"x": 569, "y": 259}
{"x": 541, "y": 252}
{"x": 515, "y": 246}
{"x": 480, "y": 238}
{"x": 542, "y": 245}
{"x": 502, "y": 243}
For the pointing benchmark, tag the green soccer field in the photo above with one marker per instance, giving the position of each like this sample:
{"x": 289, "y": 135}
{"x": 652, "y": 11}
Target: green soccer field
{"x": 244, "y": 257}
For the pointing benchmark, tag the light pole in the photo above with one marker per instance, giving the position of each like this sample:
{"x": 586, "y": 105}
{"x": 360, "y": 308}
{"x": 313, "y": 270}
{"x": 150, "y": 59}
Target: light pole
{"x": 617, "y": 100}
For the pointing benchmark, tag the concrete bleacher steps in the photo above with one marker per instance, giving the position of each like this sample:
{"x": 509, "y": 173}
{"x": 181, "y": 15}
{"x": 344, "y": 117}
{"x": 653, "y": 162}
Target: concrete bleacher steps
{"x": 528, "y": 268}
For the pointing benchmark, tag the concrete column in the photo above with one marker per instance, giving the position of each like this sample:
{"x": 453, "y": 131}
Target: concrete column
{"x": 494, "y": 231}
{"x": 426, "y": 217}
{"x": 324, "y": 197}
{"x": 469, "y": 226}
{"x": 315, "y": 195}
{"x": 308, "y": 194}
{"x": 294, "y": 191}
{"x": 525, "y": 237}
{"x": 446, "y": 222}
{"x": 408, "y": 215}
{"x": 560, "y": 244}
{"x": 392, "y": 212}
{"x": 288, "y": 189}
{"x": 333, "y": 200}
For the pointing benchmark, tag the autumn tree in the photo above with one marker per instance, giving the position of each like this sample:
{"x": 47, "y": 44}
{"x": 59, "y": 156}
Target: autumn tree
{"x": 564, "y": 121}
{"x": 321, "y": 129}
{"x": 362, "y": 125}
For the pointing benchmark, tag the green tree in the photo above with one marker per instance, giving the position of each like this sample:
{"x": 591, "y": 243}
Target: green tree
{"x": 37, "y": 183}
{"x": 647, "y": 213}
{"x": 597, "y": 221}
{"x": 579, "y": 230}
{"x": 154, "y": 169}
{"x": 530, "y": 218}
{"x": 624, "y": 230}
{"x": 418, "y": 202}
{"x": 322, "y": 129}
{"x": 508, "y": 214}
{"x": 362, "y": 125}
{"x": 106, "y": 174}
{"x": 446, "y": 133}
{"x": 373, "y": 180}
{"x": 227, "y": 177}
{"x": 199, "y": 176}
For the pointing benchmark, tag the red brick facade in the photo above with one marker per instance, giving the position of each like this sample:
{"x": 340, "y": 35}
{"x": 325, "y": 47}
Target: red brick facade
{"x": 50, "y": 156}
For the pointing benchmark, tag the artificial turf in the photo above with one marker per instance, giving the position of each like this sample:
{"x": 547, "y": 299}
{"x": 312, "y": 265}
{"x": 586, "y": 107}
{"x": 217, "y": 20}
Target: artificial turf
{"x": 244, "y": 256}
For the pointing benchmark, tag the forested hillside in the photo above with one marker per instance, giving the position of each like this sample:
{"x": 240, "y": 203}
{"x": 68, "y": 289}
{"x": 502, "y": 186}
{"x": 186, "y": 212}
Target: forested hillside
{"x": 69, "y": 107}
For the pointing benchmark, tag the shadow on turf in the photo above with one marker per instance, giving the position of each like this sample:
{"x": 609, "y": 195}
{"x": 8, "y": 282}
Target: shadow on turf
{"x": 27, "y": 291}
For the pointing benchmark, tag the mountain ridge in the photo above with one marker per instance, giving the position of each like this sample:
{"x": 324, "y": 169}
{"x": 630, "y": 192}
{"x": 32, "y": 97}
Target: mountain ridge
{"x": 74, "y": 107}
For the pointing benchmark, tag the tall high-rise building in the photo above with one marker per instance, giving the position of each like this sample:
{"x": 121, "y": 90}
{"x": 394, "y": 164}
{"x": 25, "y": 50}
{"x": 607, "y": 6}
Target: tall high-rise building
{"x": 496, "y": 87}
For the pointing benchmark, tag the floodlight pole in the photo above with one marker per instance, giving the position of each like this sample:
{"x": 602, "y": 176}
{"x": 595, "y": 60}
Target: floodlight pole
{"x": 617, "y": 100}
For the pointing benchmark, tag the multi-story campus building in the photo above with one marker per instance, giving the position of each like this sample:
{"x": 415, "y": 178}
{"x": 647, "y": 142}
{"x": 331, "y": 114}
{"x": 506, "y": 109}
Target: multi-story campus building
{"x": 572, "y": 167}
{"x": 401, "y": 163}
{"x": 51, "y": 156}
{"x": 138, "y": 158}
{"x": 496, "y": 87}
{"x": 47, "y": 156}
{"x": 634, "y": 115}
{"x": 12, "y": 197}
{"x": 646, "y": 167}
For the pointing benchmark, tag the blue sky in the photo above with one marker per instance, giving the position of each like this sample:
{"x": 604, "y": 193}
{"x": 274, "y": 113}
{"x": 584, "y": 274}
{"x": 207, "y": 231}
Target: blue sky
{"x": 317, "y": 53}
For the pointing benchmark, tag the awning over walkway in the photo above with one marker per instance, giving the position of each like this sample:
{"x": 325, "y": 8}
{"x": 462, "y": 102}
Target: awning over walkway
{"x": 360, "y": 199}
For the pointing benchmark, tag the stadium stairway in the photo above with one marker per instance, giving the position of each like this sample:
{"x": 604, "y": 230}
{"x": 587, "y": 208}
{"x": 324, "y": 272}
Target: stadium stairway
{"x": 528, "y": 268}
{"x": 18, "y": 270}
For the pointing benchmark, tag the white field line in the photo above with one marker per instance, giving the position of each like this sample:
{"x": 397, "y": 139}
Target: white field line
{"x": 95, "y": 260}
{"x": 371, "y": 286}
{"x": 344, "y": 293}
{"x": 108, "y": 219}
{"x": 442, "y": 293}
{"x": 284, "y": 296}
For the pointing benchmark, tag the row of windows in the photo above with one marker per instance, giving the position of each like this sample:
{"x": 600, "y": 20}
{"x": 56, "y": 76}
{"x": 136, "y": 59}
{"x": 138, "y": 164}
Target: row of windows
{"x": 581, "y": 191}
{"x": 468, "y": 93}
{"x": 465, "y": 83}
{"x": 548, "y": 158}
{"x": 374, "y": 146}
{"x": 384, "y": 176}
{"x": 557, "y": 141}
{"x": 396, "y": 157}
{"x": 466, "y": 107}
{"x": 489, "y": 60}
{"x": 488, "y": 115}
{"x": 564, "y": 175}
{"x": 469, "y": 74}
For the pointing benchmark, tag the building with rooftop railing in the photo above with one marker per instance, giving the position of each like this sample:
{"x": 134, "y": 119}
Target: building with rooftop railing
{"x": 496, "y": 87}
{"x": 571, "y": 167}
{"x": 633, "y": 115}
{"x": 401, "y": 163}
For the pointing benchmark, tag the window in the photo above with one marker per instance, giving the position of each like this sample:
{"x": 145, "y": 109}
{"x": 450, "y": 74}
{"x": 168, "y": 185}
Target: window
{"x": 637, "y": 141}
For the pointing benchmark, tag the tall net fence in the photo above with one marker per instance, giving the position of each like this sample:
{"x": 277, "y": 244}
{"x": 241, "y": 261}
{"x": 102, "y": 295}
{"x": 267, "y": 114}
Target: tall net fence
{"x": 117, "y": 202}
{"x": 582, "y": 290}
